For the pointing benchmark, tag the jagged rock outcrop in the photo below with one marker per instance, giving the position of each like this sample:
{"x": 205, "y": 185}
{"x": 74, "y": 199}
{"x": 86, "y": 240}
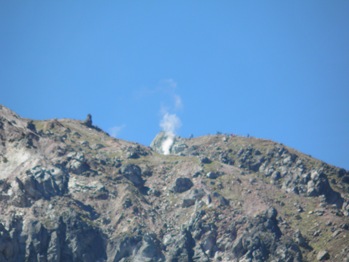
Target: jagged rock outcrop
{"x": 134, "y": 174}
{"x": 177, "y": 147}
{"x": 70, "y": 192}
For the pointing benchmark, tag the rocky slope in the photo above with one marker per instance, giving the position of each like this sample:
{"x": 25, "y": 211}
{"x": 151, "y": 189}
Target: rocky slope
{"x": 70, "y": 192}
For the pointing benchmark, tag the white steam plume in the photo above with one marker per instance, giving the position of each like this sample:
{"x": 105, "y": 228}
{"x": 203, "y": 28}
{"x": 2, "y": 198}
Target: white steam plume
{"x": 169, "y": 124}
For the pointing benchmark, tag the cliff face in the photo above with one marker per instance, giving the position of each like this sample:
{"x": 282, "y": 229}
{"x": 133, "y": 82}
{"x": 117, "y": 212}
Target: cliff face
{"x": 70, "y": 192}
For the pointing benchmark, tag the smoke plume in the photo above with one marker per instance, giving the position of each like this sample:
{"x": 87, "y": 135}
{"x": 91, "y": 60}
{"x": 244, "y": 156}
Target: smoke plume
{"x": 169, "y": 124}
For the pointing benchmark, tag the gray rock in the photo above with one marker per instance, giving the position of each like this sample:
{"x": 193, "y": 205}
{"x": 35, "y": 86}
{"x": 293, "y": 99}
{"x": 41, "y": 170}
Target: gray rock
{"x": 271, "y": 213}
{"x": 9, "y": 247}
{"x": 183, "y": 249}
{"x": 179, "y": 148}
{"x": 319, "y": 185}
{"x": 77, "y": 164}
{"x": 154, "y": 192}
{"x": 188, "y": 202}
{"x": 345, "y": 226}
{"x": 317, "y": 233}
{"x": 209, "y": 243}
{"x": 276, "y": 175}
{"x": 197, "y": 194}
{"x": 345, "y": 179}
{"x": 150, "y": 249}
{"x": 222, "y": 200}
{"x": 97, "y": 146}
{"x": 127, "y": 203}
{"x": 39, "y": 182}
{"x": 323, "y": 255}
{"x": 182, "y": 184}
{"x": 197, "y": 174}
{"x": 124, "y": 247}
{"x": 88, "y": 120}
{"x": 300, "y": 240}
{"x": 205, "y": 160}
{"x": 225, "y": 159}
{"x": 212, "y": 175}
{"x": 134, "y": 174}
{"x": 336, "y": 233}
{"x": 289, "y": 159}
{"x": 30, "y": 240}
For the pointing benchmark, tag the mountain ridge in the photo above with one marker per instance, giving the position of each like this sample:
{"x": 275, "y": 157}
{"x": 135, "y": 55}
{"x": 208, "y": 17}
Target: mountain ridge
{"x": 67, "y": 186}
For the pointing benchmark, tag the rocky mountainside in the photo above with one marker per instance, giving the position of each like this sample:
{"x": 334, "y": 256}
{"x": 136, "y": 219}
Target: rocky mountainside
{"x": 70, "y": 192}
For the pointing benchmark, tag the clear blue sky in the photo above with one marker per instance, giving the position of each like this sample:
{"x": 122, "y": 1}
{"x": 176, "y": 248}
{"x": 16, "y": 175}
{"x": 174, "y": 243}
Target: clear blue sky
{"x": 272, "y": 69}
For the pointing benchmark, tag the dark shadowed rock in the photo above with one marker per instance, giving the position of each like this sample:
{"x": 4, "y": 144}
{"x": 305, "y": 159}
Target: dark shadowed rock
{"x": 212, "y": 175}
{"x": 31, "y": 126}
{"x": 205, "y": 160}
{"x": 150, "y": 249}
{"x": 183, "y": 248}
{"x": 39, "y": 182}
{"x": 221, "y": 200}
{"x": 136, "y": 152}
{"x": 323, "y": 255}
{"x": 188, "y": 202}
{"x": 88, "y": 120}
{"x": 271, "y": 213}
{"x": 182, "y": 184}
{"x": 134, "y": 174}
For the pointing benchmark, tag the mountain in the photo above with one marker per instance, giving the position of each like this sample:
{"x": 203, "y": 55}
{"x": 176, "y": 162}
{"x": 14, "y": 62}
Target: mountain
{"x": 70, "y": 192}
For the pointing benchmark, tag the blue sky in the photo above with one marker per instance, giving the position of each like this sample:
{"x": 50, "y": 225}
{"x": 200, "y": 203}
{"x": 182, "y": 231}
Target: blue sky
{"x": 272, "y": 69}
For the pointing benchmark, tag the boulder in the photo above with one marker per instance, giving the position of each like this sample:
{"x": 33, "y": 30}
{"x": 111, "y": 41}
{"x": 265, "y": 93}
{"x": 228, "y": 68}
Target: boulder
{"x": 318, "y": 185}
{"x": 212, "y": 175}
{"x": 182, "y": 184}
{"x": 188, "y": 202}
{"x": 134, "y": 174}
{"x": 205, "y": 160}
{"x": 323, "y": 255}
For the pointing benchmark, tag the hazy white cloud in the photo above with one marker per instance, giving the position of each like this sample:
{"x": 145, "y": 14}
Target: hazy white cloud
{"x": 178, "y": 102}
{"x": 168, "y": 85}
{"x": 165, "y": 87}
{"x": 114, "y": 131}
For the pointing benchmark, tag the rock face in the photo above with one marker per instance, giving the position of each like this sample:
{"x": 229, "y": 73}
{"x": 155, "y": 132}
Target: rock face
{"x": 70, "y": 192}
